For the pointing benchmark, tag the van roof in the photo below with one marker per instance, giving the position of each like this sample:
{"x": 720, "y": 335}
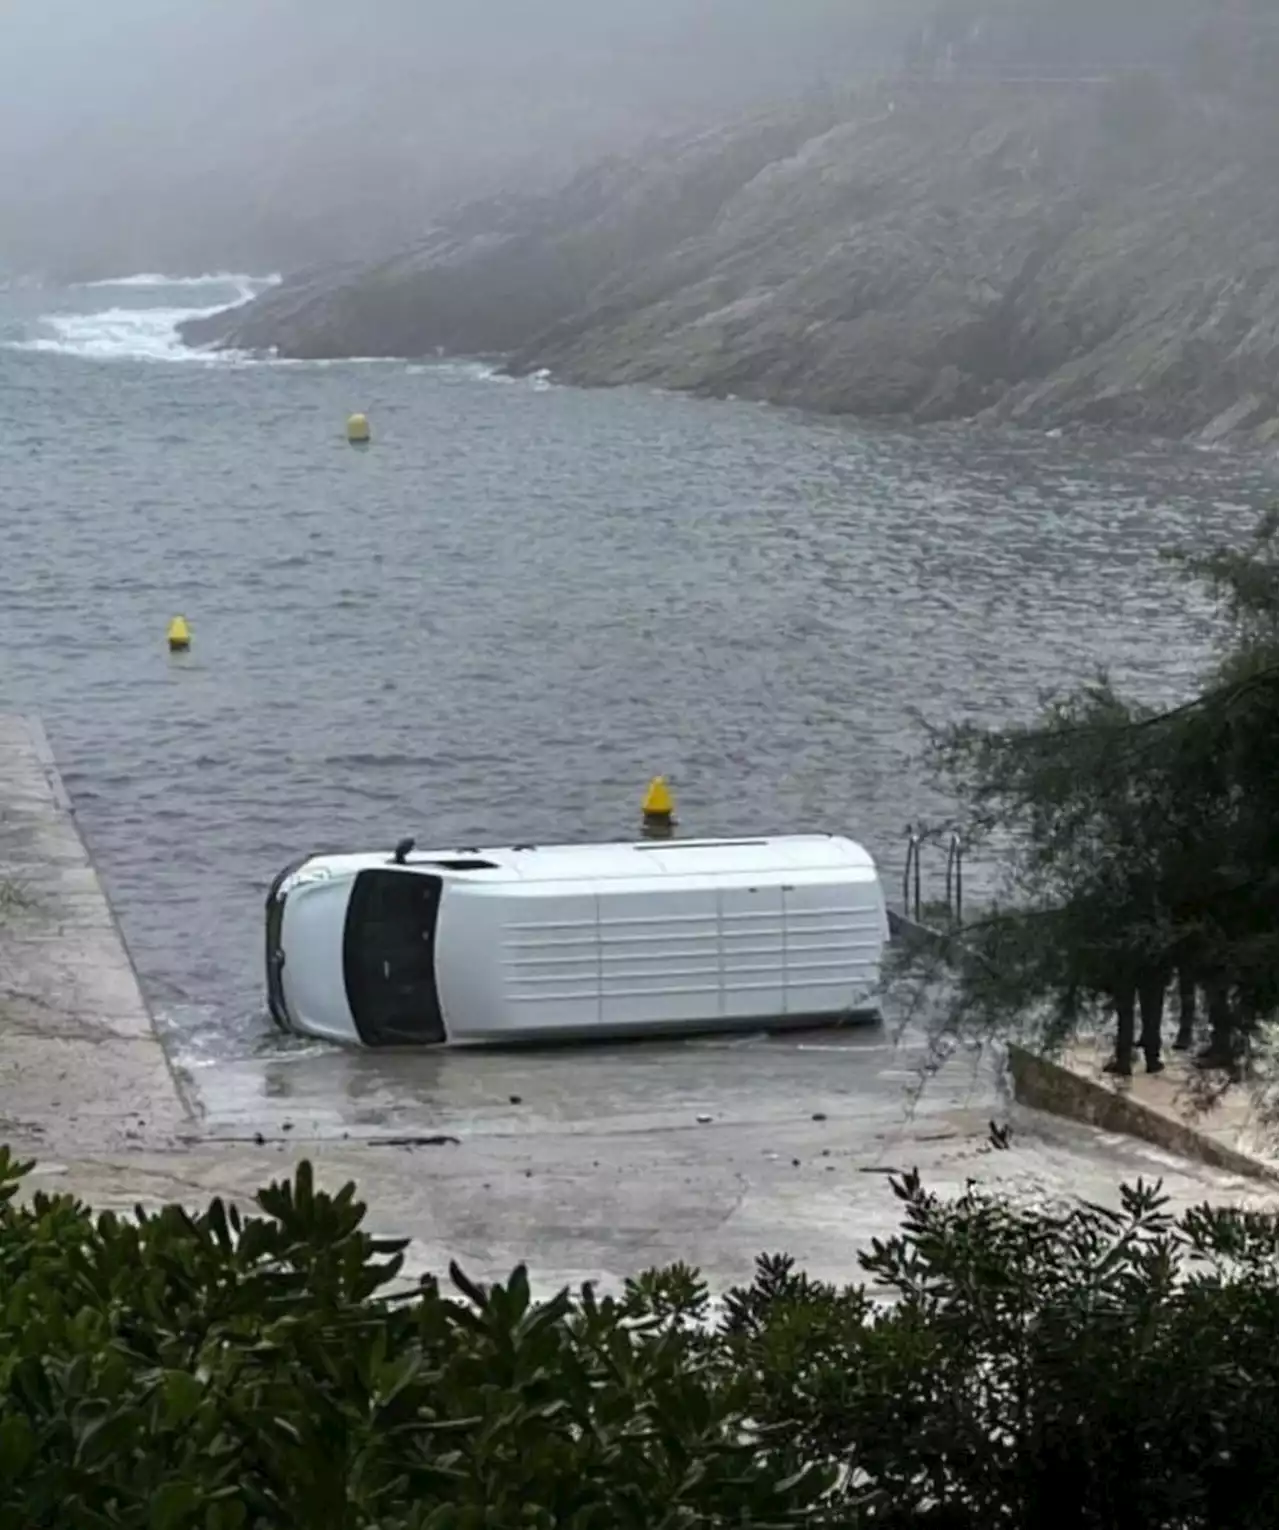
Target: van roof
{"x": 638, "y": 859}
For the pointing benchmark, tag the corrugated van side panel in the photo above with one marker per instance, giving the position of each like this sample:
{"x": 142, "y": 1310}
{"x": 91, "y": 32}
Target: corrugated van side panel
{"x": 517, "y": 962}
{"x": 835, "y": 934}
{"x": 551, "y": 960}
{"x": 659, "y": 955}
{"x": 752, "y": 946}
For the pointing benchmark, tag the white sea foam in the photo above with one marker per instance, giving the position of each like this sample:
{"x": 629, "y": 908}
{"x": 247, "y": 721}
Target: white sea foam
{"x": 113, "y": 334}
{"x": 135, "y": 330}
{"x": 139, "y": 327}
{"x": 209, "y": 279}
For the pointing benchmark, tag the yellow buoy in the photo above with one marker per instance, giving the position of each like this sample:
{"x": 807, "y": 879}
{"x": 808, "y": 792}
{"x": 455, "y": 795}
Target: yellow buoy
{"x": 358, "y": 429}
{"x": 658, "y": 801}
{"x": 179, "y": 635}
{"x": 658, "y": 810}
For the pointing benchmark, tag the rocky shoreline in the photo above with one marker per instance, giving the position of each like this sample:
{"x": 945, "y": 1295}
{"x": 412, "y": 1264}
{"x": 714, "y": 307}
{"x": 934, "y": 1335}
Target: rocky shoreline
{"x": 1091, "y": 252}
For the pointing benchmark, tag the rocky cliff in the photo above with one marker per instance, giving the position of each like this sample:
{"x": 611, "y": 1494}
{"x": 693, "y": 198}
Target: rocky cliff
{"x": 1088, "y": 251}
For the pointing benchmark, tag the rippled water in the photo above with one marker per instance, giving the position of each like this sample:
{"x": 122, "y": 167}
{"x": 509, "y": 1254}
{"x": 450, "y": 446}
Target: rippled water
{"x": 516, "y": 606}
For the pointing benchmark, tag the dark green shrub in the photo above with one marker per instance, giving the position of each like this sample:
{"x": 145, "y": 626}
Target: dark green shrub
{"x": 228, "y": 1372}
{"x": 1087, "y": 1368}
{"x": 237, "y": 1372}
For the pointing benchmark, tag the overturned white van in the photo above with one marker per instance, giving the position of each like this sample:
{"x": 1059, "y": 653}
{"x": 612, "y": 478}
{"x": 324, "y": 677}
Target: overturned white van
{"x": 565, "y": 942}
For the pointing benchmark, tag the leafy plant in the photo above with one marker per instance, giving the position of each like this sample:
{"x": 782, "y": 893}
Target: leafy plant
{"x": 1086, "y": 1367}
{"x": 246, "y": 1372}
{"x": 230, "y": 1371}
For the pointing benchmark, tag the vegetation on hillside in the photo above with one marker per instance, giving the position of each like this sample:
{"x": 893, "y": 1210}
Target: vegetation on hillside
{"x": 1140, "y": 845}
{"x": 223, "y": 1371}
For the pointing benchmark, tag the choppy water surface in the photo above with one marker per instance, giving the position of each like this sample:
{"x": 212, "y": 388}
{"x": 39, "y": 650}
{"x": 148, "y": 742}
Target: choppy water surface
{"x": 515, "y": 607}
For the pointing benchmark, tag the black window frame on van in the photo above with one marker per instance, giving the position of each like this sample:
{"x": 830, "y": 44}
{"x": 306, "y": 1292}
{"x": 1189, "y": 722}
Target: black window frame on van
{"x": 409, "y": 941}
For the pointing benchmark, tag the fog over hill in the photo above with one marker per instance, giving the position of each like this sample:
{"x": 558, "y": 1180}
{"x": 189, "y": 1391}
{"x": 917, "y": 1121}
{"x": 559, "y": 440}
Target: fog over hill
{"x": 189, "y": 135}
{"x": 1019, "y": 224}
{"x": 272, "y": 134}
{"x": 1039, "y": 210}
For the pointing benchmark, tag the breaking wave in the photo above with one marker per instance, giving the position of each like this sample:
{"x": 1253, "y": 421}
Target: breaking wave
{"x": 209, "y": 279}
{"x": 118, "y": 334}
{"x": 142, "y": 324}
{"x": 137, "y": 318}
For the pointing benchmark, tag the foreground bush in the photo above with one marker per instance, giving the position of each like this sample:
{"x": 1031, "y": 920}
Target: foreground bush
{"x": 224, "y": 1372}
{"x": 1085, "y": 1369}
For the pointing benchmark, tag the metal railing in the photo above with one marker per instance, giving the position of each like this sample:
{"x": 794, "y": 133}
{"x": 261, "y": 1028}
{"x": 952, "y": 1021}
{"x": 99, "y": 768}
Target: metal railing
{"x": 913, "y": 901}
{"x": 911, "y": 876}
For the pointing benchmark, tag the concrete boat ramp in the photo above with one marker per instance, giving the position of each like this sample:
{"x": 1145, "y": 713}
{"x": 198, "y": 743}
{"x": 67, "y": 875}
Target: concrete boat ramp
{"x": 586, "y": 1164}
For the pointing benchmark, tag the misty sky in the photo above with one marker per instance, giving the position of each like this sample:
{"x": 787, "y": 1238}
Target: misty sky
{"x": 236, "y": 131}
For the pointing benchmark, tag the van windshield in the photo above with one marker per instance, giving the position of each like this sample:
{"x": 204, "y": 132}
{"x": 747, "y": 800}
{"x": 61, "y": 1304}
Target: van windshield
{"x": 388, "y": 957}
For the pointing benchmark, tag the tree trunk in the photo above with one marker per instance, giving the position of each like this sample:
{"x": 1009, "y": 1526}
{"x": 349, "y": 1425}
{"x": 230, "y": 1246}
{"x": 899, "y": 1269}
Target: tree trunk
{"x": 1186, "y": 1011}
{"x": 1151, "y": 1002}
{"x": 1125, "y": 1004}
{"x": 1219, "y": 1053}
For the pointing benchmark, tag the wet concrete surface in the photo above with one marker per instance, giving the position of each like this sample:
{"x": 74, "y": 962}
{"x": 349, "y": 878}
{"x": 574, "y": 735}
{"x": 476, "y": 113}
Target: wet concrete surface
{"x": 604, "y": 1205}
{"x": 862, "y": 1077}
{"x": 79, "y": 1056}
